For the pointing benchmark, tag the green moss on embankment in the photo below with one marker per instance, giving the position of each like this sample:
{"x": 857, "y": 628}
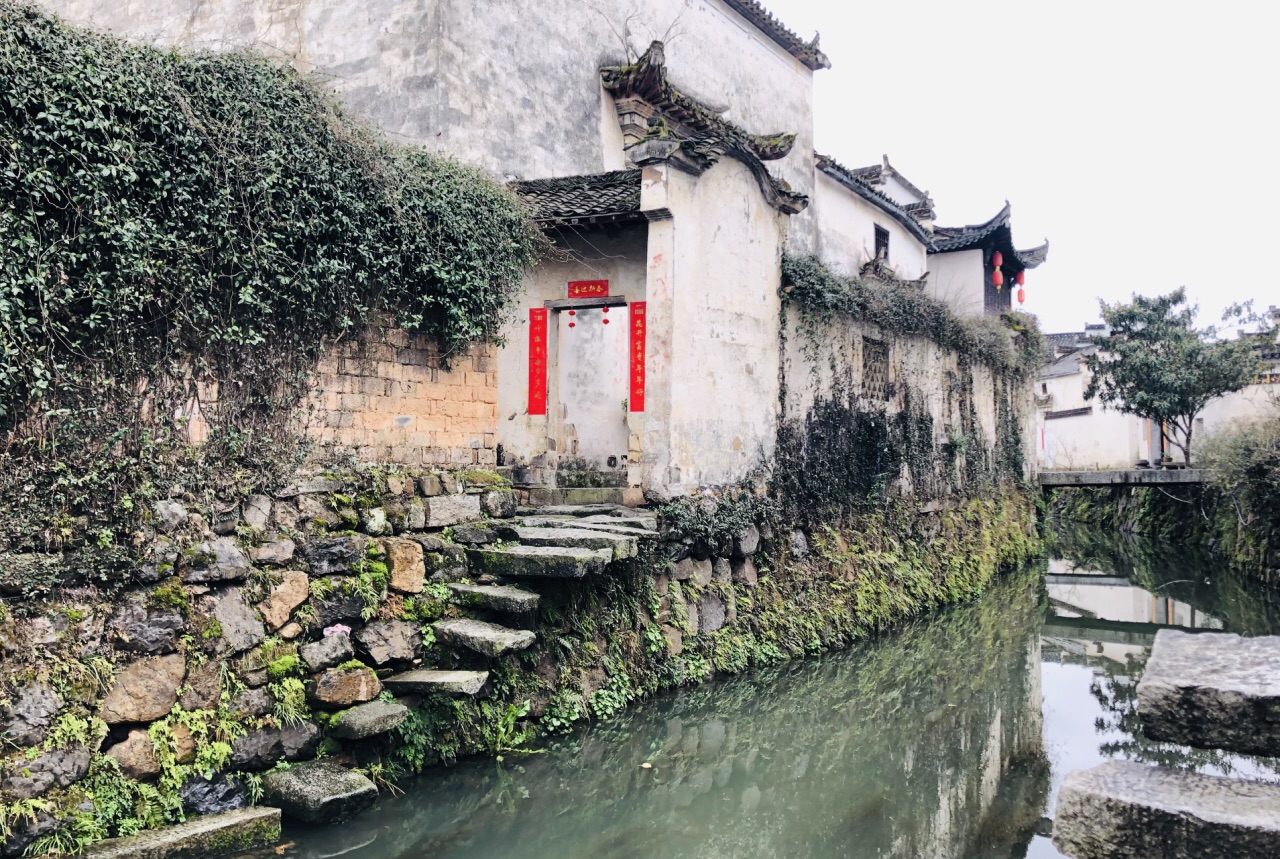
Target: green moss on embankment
{"x": 607, "y": 641}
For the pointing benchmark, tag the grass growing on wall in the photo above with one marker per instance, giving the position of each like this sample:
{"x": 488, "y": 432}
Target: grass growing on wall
{"x": 903, "y": 307}
{"x": 176, "y": 224}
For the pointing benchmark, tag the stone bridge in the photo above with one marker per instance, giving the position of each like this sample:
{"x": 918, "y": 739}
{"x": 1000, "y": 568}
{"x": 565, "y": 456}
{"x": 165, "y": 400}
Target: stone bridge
{"x": 1124, "y": 477}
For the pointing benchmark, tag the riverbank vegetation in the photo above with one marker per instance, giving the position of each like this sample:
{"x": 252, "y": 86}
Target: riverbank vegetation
{"x": 1236, "y": 516}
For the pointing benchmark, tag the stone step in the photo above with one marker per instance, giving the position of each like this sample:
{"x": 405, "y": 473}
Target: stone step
{"x": 545, "y": 496}
{"x": 544, "y": 521}
{"x": 1214, "y": 691}
{"x": 572, "y": 538}
{"x": 646, "y": 523}
{"x": 544, "y": 562}
{"x": 487, "y": 639}
{"x": 569, "y": 510}
{"x": 1129, "y": 809}
{"x": 456, "y": 684}
{"x": 368, "y": 720}
{"x": 213, "y": 834}
{"x": 622, "y": 530}
{"x": 319, "y": 792}
{"x": 503, "y": 598}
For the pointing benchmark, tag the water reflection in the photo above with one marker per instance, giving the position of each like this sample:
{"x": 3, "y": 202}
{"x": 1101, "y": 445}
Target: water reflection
{"x": 926, "y": 743}
{"x": 947, "y": 739}
{"x": 1107, "y": 596}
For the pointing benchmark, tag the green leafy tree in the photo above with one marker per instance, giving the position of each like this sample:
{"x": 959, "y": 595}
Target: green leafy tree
{"x": 1158, "y": 365}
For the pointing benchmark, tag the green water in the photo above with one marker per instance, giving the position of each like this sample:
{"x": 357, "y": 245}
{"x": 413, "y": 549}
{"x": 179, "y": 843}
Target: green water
{"x": 945, "y": 739}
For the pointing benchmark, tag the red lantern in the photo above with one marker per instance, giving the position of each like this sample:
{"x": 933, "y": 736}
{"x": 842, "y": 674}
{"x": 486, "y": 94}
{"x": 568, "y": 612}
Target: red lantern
{"x": 997, "y": 259}
{"x": 606, "y": 321}
{"x": 1022, "y": 295}
{"x": 1021, "y": 278}
{"x": 573, "y": 325}
{"x": 997, "y": 277}
{"x": 573, "y": 313}
{"x": 604, "y": 310}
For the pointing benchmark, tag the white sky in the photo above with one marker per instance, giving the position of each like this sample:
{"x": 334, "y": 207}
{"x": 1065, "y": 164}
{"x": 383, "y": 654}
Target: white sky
{"x": 1140, "y": 138}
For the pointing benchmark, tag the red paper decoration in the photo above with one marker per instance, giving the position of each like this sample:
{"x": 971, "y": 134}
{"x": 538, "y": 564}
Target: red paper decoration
{"x": 997, "y": 277}
{"x": 1022, "y": 295}
{"x": 997, "y": 259}
{"x": 1022, "y": 277}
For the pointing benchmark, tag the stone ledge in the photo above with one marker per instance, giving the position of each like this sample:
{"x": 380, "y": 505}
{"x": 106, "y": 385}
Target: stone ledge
{"x": 1124, "y": 809}
{"x": 198, "y": 838}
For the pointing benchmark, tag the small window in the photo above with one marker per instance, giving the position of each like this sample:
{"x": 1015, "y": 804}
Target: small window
{"x": 875, "y": 369}
{"x": 882, "y": 244}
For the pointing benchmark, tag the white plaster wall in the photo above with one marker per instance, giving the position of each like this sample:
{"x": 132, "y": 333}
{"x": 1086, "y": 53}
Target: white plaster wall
{"x": 957, "y": 278}
{"x": 512, "y": 85}
{"x": 1225, "y": 412}
{"x": 616, "y": 255}
{"x": 846, "y": 232}
{"x": 898, "y": 192}
{"x": 724, "y": 344}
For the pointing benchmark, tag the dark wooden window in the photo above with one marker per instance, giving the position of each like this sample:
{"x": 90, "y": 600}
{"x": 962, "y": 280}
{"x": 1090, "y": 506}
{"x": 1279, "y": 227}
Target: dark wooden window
{"x": 882, "y": 244}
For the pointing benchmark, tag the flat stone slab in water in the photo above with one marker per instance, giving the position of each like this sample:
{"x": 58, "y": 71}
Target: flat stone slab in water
{"x": 574, "y": 538}
{"x": 457, "y": 684}
{"x": 197, "y": 838}
{"x": 1124, "y": 810}
{"x": 1214, "y": 691}
{"x": 487, "y": 639}
{"x": 319, "y": 792}
{"x": 368, "y": 720}
{"x": 546, "y": 562}
{"x": 496, "y": 598}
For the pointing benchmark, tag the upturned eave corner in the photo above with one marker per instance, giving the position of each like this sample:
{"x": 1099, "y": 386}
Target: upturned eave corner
{"x": 661, "y": 125}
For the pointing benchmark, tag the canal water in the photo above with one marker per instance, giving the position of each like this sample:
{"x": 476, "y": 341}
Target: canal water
{"x": 946, "y": 739}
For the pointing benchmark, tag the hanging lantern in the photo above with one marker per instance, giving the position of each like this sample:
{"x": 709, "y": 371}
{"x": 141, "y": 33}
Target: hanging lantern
{"x": 606, "y": 321}
{"x": 997, "y": 259}
{"x": 1022, "y": 295}
{"x": 573, "y": 313}
{"x": 604, "y": 310}
{"x": 997, "y": 277}
{"x": 1021, "y": 278}
{"x": 573, "y": 324}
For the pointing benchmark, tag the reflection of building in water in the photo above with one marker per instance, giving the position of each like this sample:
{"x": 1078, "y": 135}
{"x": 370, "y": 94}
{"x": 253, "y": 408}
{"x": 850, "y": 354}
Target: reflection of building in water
{"x": 1096, "y": 614}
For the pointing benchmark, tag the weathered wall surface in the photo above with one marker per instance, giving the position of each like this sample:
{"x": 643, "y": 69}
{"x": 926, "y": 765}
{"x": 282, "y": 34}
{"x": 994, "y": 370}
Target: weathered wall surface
{"x": 728, "y": 245}
{"x": 890, "y": 372}
{"x": 391, "y": 397}
{"x": 510, "y": 85}
{"x": 846, "y": 232}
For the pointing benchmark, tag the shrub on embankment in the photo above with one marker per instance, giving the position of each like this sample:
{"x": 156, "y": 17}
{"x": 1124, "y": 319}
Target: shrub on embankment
{"x": 174, "y": 223}
{"x": 1236, "y": 516}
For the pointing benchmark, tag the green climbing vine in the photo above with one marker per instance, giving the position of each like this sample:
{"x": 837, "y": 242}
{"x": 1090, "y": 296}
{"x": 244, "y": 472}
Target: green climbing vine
{"x": 187, "y": 228}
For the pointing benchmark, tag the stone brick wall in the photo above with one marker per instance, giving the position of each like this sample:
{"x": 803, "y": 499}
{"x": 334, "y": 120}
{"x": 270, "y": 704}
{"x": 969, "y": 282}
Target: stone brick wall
{"x": 391, "y": 397}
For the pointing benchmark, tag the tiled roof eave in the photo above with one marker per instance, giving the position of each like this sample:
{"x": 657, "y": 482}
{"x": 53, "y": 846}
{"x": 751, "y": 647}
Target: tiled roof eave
{"x": 846, "y": 178}
{"x": 766, "y": 22}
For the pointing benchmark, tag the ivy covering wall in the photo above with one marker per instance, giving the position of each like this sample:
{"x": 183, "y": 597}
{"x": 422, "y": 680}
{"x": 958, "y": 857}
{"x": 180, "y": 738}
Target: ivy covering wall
{"x": 173, "y": 221}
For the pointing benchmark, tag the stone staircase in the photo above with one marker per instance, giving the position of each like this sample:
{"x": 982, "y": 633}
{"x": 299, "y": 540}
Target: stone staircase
{"x": 563, "y": 542}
